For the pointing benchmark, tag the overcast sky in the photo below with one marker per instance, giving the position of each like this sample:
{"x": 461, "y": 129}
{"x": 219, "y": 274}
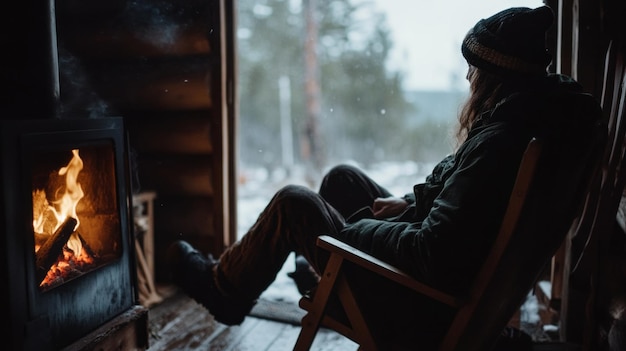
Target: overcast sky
{"x": 427, "y": 37}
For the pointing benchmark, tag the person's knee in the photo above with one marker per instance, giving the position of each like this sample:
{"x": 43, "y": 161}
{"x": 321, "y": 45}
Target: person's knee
{"x": 341, "y": 171}
{"x": 293, "y": 194}
{"x": 298, "y": 198}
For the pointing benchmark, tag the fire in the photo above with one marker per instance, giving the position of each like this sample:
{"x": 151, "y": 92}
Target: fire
{"x": 70, "y": 266}
{"x": 49, "y": 215}
{"x": 71, "y": 197}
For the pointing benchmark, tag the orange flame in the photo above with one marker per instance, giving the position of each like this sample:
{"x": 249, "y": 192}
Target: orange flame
{"x": 48, "y": 217}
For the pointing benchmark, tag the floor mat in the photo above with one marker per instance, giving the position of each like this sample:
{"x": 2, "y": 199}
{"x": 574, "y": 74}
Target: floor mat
{"x": 280, "y": 311}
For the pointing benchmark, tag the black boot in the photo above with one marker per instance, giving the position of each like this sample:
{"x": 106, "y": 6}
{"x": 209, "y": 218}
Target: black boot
{"x": 194, "y": 274}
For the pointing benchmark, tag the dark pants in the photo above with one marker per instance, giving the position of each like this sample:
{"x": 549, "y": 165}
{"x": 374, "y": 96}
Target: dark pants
{"x": 292, "y": 221}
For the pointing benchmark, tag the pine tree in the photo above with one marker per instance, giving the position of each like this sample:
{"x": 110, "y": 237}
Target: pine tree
{"x": 362, "y": 111}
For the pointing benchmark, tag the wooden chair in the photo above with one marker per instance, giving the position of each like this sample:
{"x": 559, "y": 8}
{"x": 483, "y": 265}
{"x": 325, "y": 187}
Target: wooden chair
{"x": 548, "y": 194}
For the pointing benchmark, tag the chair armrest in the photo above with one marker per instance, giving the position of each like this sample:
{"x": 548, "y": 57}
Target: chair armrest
{"x": 384, "y": 269}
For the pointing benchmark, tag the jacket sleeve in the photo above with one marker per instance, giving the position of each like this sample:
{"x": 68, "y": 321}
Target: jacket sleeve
{"x": 463, "y": 218}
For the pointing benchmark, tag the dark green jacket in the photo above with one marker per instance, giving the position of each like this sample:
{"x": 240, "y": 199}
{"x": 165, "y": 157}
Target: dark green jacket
{"x": 455, "y": 214}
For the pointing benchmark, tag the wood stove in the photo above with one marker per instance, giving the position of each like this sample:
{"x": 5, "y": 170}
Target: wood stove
{"x": 68, "y": 245}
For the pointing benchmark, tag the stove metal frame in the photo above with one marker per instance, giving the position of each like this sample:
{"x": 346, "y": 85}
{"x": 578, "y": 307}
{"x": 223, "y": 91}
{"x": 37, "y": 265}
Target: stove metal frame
{"x": 59, "y": 317}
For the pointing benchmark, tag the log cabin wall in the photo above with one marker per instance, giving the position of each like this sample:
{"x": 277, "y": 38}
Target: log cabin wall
{"x": 161, "y": 66}
{"x": 593, "y": 294}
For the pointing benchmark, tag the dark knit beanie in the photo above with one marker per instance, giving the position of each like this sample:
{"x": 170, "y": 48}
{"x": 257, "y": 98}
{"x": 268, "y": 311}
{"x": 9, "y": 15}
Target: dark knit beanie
{"x": 511, "y": 42}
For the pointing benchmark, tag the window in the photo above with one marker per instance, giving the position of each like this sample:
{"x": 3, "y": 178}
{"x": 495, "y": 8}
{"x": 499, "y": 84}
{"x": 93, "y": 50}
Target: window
{"x": 376, "y": 83}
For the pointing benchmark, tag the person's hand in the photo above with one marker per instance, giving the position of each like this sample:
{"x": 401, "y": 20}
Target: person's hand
{"x": 388, "y": 207}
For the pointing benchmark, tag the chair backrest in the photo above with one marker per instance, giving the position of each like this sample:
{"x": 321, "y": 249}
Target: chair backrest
{"x": 601, "y": 208}
{"x": 566, "y": 162}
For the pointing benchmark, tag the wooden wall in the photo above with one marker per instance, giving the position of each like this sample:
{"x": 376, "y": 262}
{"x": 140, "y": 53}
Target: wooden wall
{"x": 158, "y": 64}
{"x": 593, "y": 296}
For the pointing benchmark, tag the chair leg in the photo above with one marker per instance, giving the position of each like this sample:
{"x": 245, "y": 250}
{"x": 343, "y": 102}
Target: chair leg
{"x": 311, "y": 321}
{"x": 360, "y": 328}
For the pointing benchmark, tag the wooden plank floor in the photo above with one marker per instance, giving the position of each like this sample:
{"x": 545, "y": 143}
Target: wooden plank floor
{"x": 179, "y": 323}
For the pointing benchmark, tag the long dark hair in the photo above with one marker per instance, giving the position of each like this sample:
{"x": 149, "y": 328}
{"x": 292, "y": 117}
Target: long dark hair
{"x": 486, "y": 91}
{"x": 484, "y": 94}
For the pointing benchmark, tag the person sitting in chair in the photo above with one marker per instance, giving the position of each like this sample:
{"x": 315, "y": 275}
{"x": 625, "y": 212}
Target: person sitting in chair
{"x": 441, "y": 231}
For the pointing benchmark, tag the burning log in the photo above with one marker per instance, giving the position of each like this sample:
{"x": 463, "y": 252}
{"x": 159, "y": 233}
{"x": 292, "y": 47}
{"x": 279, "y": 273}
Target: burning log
{"x": 40, "y": 239}
{"x": 49, "y": 252}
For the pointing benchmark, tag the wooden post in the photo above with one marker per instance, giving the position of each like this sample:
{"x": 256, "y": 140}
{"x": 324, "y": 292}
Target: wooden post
{"x": 143, "y": 205}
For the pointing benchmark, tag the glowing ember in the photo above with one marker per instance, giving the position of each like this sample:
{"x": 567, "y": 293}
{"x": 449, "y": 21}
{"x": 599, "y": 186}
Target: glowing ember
{"x": 68, "y": 267}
